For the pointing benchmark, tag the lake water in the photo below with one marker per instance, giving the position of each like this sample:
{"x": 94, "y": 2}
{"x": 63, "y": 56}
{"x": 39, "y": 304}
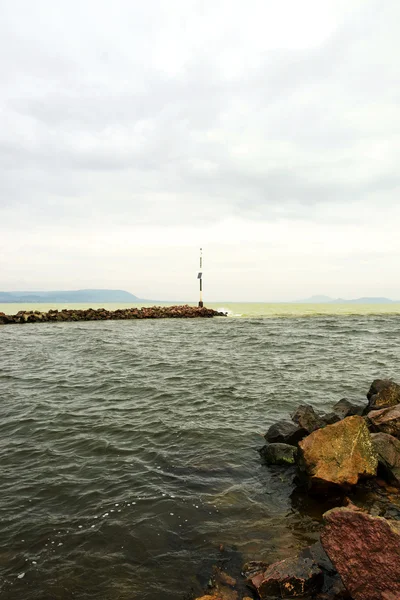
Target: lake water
{"x": 128, "y": 449}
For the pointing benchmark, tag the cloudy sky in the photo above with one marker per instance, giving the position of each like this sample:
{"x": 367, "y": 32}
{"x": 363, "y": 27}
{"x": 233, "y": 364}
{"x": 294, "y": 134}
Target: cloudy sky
{"x": 267, "y": 132}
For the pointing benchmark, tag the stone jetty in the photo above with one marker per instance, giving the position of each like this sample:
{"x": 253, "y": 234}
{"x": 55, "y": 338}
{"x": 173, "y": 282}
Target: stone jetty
{"x": 350, "y": 459}
{"x": 102, "y": 314}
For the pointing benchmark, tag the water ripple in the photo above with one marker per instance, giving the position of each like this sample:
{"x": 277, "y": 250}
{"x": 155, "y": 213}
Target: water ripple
{"x": 129, "y": 449}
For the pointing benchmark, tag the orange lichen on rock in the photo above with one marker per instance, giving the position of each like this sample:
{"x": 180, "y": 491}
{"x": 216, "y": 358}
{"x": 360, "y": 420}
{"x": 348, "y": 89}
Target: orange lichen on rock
{"x": 339, "y": 454}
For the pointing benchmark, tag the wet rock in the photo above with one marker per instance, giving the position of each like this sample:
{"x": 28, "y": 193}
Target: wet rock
{"x": 338, "y": 454}
{"x": 365, "y": 551}
{"x": 253, "y": 567}
{"x": 306, "y": 418}
{"x": 387, "y": 448}
{"x": 285, "y": 432}
{"x": 221, "y": 586}
{"x": 383, "y": 393}
{"x": 317, "y": 553}
{"x": 225, "y": 579}
{"x": 329, "y": 418}
{"x": 279, "y": 454}
{"x": 386, "y": 420}
{"x": 332, "y": 587}
{"x": 344, "y": 408}
{"x": 290, "y": 578}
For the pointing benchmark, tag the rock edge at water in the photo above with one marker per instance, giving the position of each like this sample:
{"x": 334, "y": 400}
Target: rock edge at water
{"x": 101, "y": 314}
{"x": 359, "y": 556}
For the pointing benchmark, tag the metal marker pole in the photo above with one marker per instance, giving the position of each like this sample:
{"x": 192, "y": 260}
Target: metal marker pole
{"x": 200, "y": 276}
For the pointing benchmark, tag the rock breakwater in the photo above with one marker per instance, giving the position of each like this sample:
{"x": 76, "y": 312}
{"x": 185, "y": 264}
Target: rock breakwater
{"x": 340, "y": 458}
{"x": 102, "y": 314}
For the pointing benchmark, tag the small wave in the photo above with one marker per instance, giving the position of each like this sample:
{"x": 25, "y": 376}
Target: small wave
{"x": 230, "y": 313}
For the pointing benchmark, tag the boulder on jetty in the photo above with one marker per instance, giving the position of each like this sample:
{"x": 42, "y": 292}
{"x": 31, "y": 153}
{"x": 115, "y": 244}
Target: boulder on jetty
{"x": 365, "y": 551}
{"x": 339, "y": 454}
{"x": 330, "y": 418}
{"x": 306, "y": 418}
{"x": 386, "y": 420}
{"x": 387, "y": 448}
{"x": 382, "y": 394}
{"x": 285, "y": 432}
{"x": 336, "y": 449}
{"x": 279, "y": 454}
{"x": 289, "y": 578}
{"x": 311, "y": 572}
{"x": 101, "y": 314}
{"x": 344, "y": 408}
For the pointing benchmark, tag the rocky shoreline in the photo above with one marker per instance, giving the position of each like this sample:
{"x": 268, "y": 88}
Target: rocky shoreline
{"x": 341, "y": 457}
{"x": 101, "y": 314}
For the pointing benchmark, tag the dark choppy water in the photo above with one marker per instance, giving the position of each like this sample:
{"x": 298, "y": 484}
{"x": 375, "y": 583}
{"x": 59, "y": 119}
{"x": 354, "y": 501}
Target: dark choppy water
{"x": 128, "y": 450}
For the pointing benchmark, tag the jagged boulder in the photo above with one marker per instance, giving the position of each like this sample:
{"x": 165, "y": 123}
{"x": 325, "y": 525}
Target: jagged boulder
{"x": 339, "y": 454}
{"x": 332, "y": 587}
{"x": 279, "y": 454}
{"x": 310, "y": 572}
{"x": 330, "y": 418}
{"x": 365, "y": 551}
{"x": 387, "y": 448}
{"x": 382, "y": 394}
{"x": 253, "y": 568}
{"x": 386, "y": 420}
{"x": 289, "y": 578}
{"x": 344, "y": 408}
{"x": 306, "y": 418}
{"x": 285, "y": 432}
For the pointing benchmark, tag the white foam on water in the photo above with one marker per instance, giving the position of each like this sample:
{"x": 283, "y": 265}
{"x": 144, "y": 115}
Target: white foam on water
{"x": 230, "y": 313}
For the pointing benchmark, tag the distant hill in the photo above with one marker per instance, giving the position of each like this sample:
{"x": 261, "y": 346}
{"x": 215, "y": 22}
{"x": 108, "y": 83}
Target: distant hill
{"x": 70, "y": 296}
{"x": 328, "y": 300}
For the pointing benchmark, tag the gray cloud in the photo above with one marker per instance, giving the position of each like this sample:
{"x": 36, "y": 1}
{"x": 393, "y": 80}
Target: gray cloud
{"x": 184, "y": 112}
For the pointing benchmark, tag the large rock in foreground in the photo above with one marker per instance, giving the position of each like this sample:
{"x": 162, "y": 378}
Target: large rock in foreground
{"x": 339, "y": 454}
{"x": 383, "y": 393}
{"x": 387, "y": 448}
{"x": 365, "y": 551}
{"x": 386, "y": 420}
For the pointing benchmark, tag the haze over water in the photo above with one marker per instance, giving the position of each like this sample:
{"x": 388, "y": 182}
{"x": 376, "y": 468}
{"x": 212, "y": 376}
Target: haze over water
{"x": 129, "y": 448}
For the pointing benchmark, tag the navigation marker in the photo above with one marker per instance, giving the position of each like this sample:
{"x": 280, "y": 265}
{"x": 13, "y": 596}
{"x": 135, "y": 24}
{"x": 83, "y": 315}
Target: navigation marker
{"x": 200, "y": 277}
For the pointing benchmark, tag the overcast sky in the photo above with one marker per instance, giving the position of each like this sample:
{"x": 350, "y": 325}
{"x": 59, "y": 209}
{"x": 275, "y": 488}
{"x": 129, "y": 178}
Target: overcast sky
{"x": 132, "y": 133}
